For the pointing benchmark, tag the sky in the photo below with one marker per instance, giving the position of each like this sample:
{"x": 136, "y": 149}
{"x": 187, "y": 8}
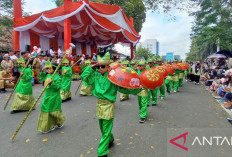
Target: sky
{"x": 174, "y": 36}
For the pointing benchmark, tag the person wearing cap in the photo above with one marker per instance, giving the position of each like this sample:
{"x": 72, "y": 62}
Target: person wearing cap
{"x": 36, "y": 67}
{"x": 6, "y": 62}
{"x": 143, "y": 98}
{"x": 86, "y": 90}
{"x": 159, "y": 62}
{"x": 169, "y": 80}
{"x": 133, "y": 64}
{"x": 181, "y": 75}
{"x": 106, "y": 92}
{"x": 51, "y": 116}
{"x": 23, "y": 99}
{"x": 66, "y": 71}
{"x": 152, "y": 94}
{"x": 124, "y": 97}
{"x": 176, "y": 78}
{"x": 6, "y": 79}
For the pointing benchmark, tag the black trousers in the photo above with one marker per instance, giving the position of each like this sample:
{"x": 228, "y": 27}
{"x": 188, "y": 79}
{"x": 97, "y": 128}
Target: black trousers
{"x": 191, "y": 77}
{"x": 197, "y": 78}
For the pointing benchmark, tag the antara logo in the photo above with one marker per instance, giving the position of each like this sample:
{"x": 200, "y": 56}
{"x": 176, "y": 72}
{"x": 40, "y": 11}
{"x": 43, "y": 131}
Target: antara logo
{"x": 172, "y": 141}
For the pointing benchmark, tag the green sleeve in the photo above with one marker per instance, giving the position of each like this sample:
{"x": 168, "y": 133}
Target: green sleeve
{"x": 43, "y": 75}
{"x": 56, "y": 82}
{"x": 88, "y": 75}
{"x": 69, "y": 72}
{"x": 27, "y": 75}
{"x": 128, "y": 91}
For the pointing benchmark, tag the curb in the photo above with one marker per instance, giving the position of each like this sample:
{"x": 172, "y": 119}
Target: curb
{"x": 229, "y": 112}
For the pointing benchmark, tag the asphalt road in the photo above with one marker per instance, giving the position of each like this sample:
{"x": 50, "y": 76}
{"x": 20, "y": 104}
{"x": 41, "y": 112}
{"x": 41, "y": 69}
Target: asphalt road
{"x": 192, "y": 107}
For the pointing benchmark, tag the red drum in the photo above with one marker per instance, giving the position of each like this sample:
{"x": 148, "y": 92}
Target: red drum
{"x": 124, "y": 77}
{"x": 169, "y": 68}
{"x": 177, "y": 66}
{"x": 115, "y": 65}
{"x": 161, "y": 70}
{"x": 76, "y": 69}
{"x": 151, "y": 79}
{"x": 183, "y": 66}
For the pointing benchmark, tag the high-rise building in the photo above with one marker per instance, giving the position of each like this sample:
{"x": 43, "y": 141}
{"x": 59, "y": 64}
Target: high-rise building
{"x": 169, "y": 55}
{"x": 177, "y": 57}
{"x": 151, "y": 44}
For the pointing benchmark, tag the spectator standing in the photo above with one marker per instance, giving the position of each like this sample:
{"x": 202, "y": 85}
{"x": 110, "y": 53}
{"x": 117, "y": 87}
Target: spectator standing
{"x": 45, "y": 58}
{"x": 197, "y": 73}
{"x": 36, "y": 67}
{"x": 60, "y": 52}
{"x": 52, "y": 53}
{"x": 13, "y": 57}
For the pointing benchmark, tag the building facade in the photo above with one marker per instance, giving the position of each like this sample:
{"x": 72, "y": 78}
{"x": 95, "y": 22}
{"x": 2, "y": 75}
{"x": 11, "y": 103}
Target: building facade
{"x": 151, "y": 44}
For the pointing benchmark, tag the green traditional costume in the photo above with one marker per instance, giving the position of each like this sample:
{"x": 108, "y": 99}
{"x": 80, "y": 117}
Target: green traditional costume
{"x": 143, "y": 98}
{"x": 181, "y": 76}
{"x": 23, "y": 99}
{"x": 162, "y": 88}
{"x": 124, "y": 97}
{"x": 106, "y": 93}
{"x": 65, "y": 91}
{"x": 86, "y": 90}
{"x": 152, "y": 94}
{"x": 176, "y": 79}
{"x": 51, "y": 113}
{"x": 169, "y": 80}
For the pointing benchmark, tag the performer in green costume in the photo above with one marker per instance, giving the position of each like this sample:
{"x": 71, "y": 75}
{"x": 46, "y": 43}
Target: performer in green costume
{"x": 106, "y": 93}
{"x": 152, "y": 94}
{"x": 169, "y": 80}
{"x": 176, "y": 78}
{"x": 51, "y": 115}
{"x": 133, "y": 64}
{"x": 181, "y": 76}
{"x": 159, "y": 62}
{"x": 23, "y": 99}
{"x": 65, "y": 91}
{"x": 124, "y": 97}
{"x": 86, "y": 90}
{"x": 143, "y": 95}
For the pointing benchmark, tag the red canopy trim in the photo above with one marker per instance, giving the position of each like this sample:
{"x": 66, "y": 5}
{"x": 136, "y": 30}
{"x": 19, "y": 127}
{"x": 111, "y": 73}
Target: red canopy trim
{"x": 92, "y": 23}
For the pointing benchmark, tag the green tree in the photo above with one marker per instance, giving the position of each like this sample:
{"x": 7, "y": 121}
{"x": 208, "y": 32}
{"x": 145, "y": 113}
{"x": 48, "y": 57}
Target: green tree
{"x": 6, "y": 24}
{"x": 132, "y": 8}
{"x": 142, "y": 52}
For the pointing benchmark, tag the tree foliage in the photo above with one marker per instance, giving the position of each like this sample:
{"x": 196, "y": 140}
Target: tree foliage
{"x": 212, "y": 27}
{"x": 142, "y": 52}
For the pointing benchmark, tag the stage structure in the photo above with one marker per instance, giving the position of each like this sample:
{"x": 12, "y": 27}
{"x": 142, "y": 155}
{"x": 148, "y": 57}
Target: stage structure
{"x": 88, "y": 25}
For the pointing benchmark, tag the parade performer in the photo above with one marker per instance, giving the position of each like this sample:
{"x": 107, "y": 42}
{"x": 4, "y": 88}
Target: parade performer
{"x": 124, "y": 97}
{"x": 106, "y": 93}
{"x": 24, "y": 96}
{"x": 143, "y": 95}
{"x": 133, "y": 64}
{"x": 86, "y": 90}
{"x": 176, "y": 78}
{"x": 51, "y": 115}
{"x": 169, "y": 80}
{"x": 159, "y": 62}
{"x": 65, "y": 91}
{"x": 152, "y": 94}
{"x": 181, "y": 76}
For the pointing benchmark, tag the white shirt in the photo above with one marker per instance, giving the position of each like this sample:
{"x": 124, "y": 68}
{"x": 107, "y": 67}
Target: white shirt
{"x": 13, "y": 57}
{"x": 52, "y": 52}
{"x": 60, "y": 52}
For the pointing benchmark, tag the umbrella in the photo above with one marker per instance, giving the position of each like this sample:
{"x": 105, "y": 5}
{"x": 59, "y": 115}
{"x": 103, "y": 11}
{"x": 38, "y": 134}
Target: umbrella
{"x": 216, "y": 56}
